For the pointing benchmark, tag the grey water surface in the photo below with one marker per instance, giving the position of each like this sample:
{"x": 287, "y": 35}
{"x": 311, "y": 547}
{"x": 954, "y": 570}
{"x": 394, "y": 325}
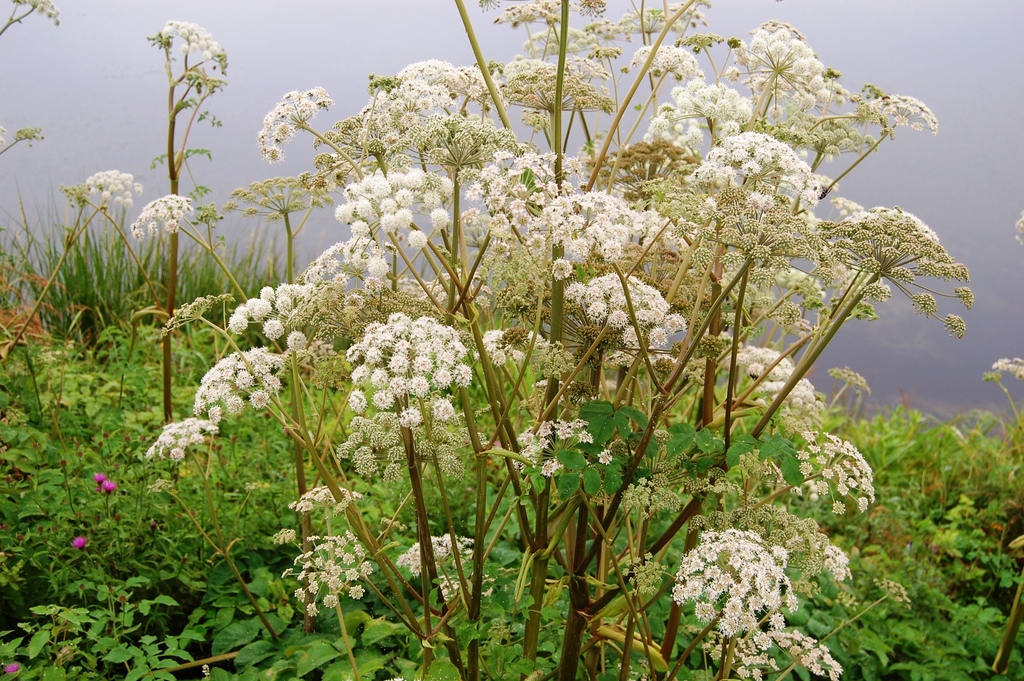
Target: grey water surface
{"x": 98, "y": 90}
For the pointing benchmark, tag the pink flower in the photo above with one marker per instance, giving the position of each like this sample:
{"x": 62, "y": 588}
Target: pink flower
{"x": 99, "y": 477}
{"x": 12, "y": 668}
{"x": 79, "y": 542}
{"x": 108, "y": 486}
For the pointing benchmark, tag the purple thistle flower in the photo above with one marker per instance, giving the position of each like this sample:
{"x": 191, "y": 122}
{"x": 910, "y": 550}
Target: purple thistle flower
{"x": 12, "y": 668}
{"x": 108, "y": 486}
{"x": 99, "y": 477}
{"x": 79, "y": 542}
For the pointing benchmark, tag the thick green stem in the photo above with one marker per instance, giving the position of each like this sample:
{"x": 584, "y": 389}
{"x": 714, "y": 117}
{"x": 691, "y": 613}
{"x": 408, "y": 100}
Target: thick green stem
{"x": 499, "y": 104}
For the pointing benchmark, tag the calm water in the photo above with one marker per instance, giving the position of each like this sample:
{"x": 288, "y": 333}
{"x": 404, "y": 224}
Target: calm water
{"x": 97, "y": 89}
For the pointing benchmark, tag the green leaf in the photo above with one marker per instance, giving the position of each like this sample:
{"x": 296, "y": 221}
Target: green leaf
{"x": 599, "y": 416}
{"x": 317, "y": 654}
{"x": 740, "y": 445}
{"x": 612, "y": 478}
{"x": 636, "y": 415}
{"x": 235, "y": 635}
{"x": 55, "y": 674}
{"x": 708, "y": 443}
{"x": 377, "y": 630}
{"x": 591, "y": 481}
{"x": 442, "y": 670}
{"x": 684, "y": 439}
{"x": 568, "y": 484}
{"x": 39, "y": 639}
{"x": 790, "y": 466}
{"x": 253, "y": 653}
{"x": 572, "y": 460}
{"x": 165, "y": 600}
{"x": 119, "y": 654}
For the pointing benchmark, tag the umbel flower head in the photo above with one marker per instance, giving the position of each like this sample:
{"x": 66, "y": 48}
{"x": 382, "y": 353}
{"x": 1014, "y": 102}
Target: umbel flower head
{"x": 175, "y": 437}
{"x": 295, "y": 110}
{"x": 164, "y": 214}
{"x": 734, "y": 576}
{"x": 898, "y": 247}
{"x": 335, "y": 565}
{"x": 44, "y": 7}
{"x": 251, "y": 373}
{"x": 407, "y": 358}
{"x": 113, "y": 187}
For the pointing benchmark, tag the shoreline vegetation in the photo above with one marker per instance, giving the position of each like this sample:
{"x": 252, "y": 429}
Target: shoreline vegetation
{"x": 547, "y": 413}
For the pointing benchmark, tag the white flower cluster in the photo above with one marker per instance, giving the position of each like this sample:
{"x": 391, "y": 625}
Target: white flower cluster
{"x": 499, "y": 351}
{"x": 1014, "y": 367}
{"x": 760, "y": 161}
{"x": 44, "y": 7}
{"x": 833, "y": 461}
{"x": 353, "y": 257}
{"x": 802, "y": 403}
{"x": 335, "y": 565}
{"x": 733, "y": 575}
{"x": 113, "y": 185}
{"x": 419, "y": 90}
{"x": 389, "y": 202}
{"x": 407, "y": 358}
{"x": 443, "y": 553}
{"x": 778, "y": 60}
{"x": 752, "y": 660}
{"x": 604, "y": 301}
{"x": 677, "y": 61}
{"x": 279, "y": 125}
{"x": 276, "y": 309}
{"x": 552, "y": 435}
{"x": 909, "y": 111}
{"x": 163, "y": 214}
{"x": 321, "y": 498}
{"x": 195, "y": 39}
{"x": 698, "y": 102}
{"x": 251, "y": 372}
{"x": 176, "y": 436}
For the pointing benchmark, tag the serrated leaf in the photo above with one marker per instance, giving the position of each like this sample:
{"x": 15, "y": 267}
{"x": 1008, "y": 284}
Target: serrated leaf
{"x": 636, "y": 415}
{"x": 591, "y": 481}
{"x": 572, "y": 459}
{"x": 316, "y": 654}
{"x": 599, "y": 416}
{"x": 118, "y": 655}
{"x": 442, "y": 670}
{"x": 612, "y": 478}
{"x": 790, "y": 466}
{"x": 567, "y": 484}
{"x": 622, "y": 424}
{"x": 378, "y": 629}
{"x": 253, "y": 653}
{"x": 55, "y": 674}
{"x": 39, "y": 639}
{"x": 683, "y": 439}
{"x": 235, "y": 635}
{"x": 740, "y": 445}
{"x": 707, "y": 442}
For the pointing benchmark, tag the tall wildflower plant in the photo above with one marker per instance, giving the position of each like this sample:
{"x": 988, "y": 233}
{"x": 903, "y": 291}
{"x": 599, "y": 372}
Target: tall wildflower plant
{"x": 188, "y": 89}
{"x": 555, "y": 403}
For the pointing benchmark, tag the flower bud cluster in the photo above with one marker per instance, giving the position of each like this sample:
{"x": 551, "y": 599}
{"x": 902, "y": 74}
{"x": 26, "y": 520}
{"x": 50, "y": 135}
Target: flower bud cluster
{"x": 179, "y": 435}
{"x": 164, "y": 214}
{"x": 251, "y": 373}
{"x": 734, "y": 576}
{"x": 604, "y": 301}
